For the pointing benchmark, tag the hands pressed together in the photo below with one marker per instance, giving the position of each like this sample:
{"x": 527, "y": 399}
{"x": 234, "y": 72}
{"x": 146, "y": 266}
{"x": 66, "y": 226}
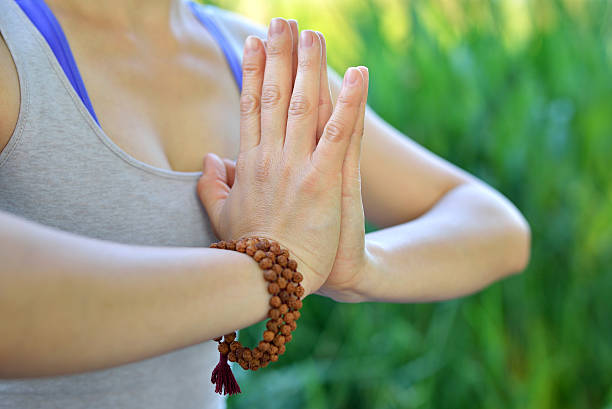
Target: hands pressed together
{"x": 296, "y": 179}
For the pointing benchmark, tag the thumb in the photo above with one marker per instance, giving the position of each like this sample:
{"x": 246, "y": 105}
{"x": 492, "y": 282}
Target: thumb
{"x": 213, "y": 187}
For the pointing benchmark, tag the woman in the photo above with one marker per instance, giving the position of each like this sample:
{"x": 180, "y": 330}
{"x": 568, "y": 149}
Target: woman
{"x": 110, "y": 296}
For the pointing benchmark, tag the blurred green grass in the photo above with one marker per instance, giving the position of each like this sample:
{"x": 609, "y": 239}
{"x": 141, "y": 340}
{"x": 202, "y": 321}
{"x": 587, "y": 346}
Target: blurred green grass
{"x": 520, "y": 94}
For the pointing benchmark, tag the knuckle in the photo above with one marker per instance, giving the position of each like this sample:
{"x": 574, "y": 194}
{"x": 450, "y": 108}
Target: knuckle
{"x": 350, "y": 101}
{"x": 251, "y": 69}
{"x": 299, "y": 106}
{"x": 249, "y": 104}
{"x": 271, "y": 95}
{"x": 276, "y": 49}
{"x": 334, "y": 129}
{"x": 263, "y": 168}
{"x": 306, "y": 62}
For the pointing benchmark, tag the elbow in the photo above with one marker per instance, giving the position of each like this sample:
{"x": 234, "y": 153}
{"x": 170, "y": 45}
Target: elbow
{"x": 519, "y": 238}
{"x": 515, "y": 234}
{"x": 507, "y": 234}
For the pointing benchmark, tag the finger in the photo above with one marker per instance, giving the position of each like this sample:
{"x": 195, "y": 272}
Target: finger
{"x": 253, "y": 64}
{"x": 328, "y": 157}
{"x": 302, "y": 115}
{"x": 212, "y": 187}
{"x": 325, "y": 101}
{"x": 230, "y": 170}
{"x": 276, "y": 89}
{"x": 294, "y": 55}
{"x": 353, "y": 153}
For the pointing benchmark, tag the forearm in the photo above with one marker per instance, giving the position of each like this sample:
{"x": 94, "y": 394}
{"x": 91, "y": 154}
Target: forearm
{"x": 70, "y": 304}
{"x": 470, "y": 238}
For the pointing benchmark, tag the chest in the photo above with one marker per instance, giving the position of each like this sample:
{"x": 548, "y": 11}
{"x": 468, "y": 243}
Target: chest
{"x": 167, "y": 109}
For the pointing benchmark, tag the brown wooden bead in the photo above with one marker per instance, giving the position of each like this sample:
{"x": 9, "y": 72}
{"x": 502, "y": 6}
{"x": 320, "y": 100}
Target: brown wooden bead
{"x": 273, "y": 288}
{"x": 289, "y": 317}
{"x": 265, "y": 363}
{"x": 282, "y": 260}
{"x": 285, "y": 330}
{"x": 266, "y": 356}
{"x": 272, "y": 326}
{"x": 271, "y": 256}
{"x": 278, "y": 269}
{"x": 263, "y": 245}
{"x": 293, "y": 325}
{"x": 295, "y": 304}
{"x": 230, "y": 245}
{"x": 296, "y": 315}
{"x": 279, "y": 340}
{"x": 247, "y": 354}
{"x": 229, "y": 338}
{"x": 300, "y": 291}
{"x": 275, "y": 301}
{"x": 221, "y": 244}
{"x": 250, "y": 250}
{"x": 297, "y": 277}
{"x": 268, "y": 336}
{"x": 231, "y": 356}
{"x": 254, "y": 364}
{"x": 282, "y": 349}
{"x": 273, "y": 349}
{"x": 274, "y": 313}
{"x": 275, "y": 248}
{"x": 240, "y": 246}
{"x": 234, "y": 345}
{"x": 217, "y": 339}
{"x": 285, "y": 252}
{"x": 239, "y": 352}
{"x": 259, "y": 255}
{"x": 244, "y": 364}
{"x": 223, "y": 348}
{"x": 291, "y": 287}
{"x": 270, "y": 275}
{"x": 284, "y": 309}
{"x": 273, "y": 358}
{"x": 265, "y": 263}
{"x": 285, "y": 297}
{"x": 263, "y": 346}
{"x": 288, "y": 338}
{"x": 287, "y": 274}
{"x": 257, "y": 353}
{"x": 282, "y": 283}
{"x": 292, "y": 264}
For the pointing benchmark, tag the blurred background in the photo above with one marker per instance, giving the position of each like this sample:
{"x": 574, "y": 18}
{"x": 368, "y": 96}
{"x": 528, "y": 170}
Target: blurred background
{"x": 520, "y": 94}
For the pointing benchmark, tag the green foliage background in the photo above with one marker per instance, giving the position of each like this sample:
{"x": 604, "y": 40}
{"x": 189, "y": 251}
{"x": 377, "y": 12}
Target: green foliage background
{"x": 520, "y": 94}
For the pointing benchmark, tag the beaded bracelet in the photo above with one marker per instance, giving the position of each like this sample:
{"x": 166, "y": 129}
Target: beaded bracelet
{"x": 280, "y": 272}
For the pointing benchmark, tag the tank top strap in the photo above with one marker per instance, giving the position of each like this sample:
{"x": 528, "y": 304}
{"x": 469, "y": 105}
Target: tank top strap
{"x": 43, "y": 19}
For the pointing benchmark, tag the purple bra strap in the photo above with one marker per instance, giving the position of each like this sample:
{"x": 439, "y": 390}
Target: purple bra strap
{"x": 223, "y": 42}
{"x": 43, "y": 19}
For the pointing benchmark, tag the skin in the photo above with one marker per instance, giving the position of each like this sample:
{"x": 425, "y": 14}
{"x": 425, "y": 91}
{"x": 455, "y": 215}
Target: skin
{"x": 444, "y": 233}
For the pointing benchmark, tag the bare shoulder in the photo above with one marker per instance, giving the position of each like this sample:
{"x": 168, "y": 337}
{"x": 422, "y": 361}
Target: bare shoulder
{"x": 9, "y": 95}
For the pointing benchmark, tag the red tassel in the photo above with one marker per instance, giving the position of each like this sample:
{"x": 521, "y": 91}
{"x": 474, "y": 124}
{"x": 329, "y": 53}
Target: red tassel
{"x": 223, "y": 378}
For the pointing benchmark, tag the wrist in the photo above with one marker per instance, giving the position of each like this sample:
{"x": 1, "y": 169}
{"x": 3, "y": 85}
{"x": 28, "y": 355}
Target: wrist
{"x": 362, "y": 288}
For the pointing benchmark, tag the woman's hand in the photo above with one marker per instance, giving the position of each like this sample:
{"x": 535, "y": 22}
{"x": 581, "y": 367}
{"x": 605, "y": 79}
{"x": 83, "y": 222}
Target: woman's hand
{"x": 286, "y": 186}
{"x": 350, "y": 261}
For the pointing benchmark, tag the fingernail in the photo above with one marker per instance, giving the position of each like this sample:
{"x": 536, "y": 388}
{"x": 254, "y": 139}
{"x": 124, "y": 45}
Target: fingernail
{"x": 306, "y": 39}
{"x": 252, "y": 44}
{"x": 277, "y": 26}
{"x": 351, "y": 76}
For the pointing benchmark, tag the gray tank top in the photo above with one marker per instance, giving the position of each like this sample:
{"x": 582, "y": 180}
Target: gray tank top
{"x": 60, "y": 169}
